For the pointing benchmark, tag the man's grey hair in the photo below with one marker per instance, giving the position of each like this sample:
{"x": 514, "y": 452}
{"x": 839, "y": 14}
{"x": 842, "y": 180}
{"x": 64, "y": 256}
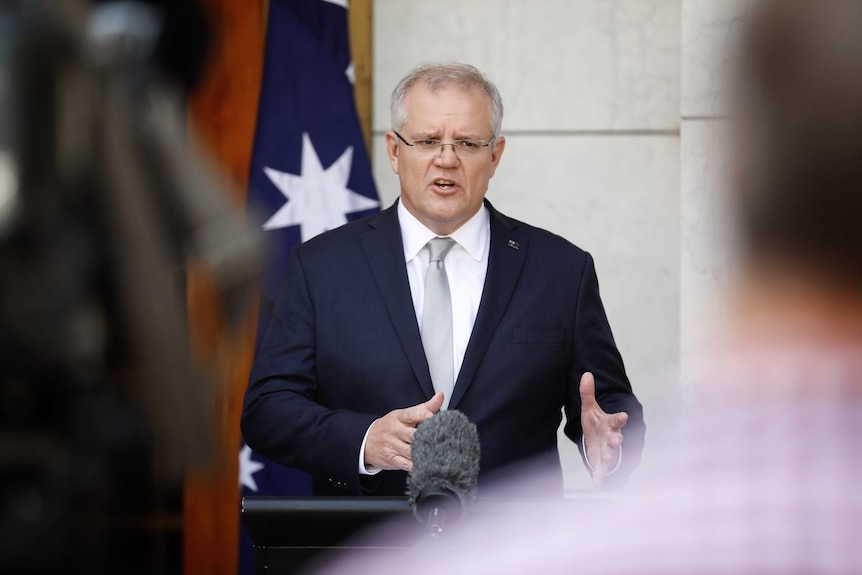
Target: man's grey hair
{"x": 436, "y": 75}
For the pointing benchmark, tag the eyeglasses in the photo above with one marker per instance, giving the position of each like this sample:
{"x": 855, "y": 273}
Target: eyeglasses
{"x": 431, "y": 146}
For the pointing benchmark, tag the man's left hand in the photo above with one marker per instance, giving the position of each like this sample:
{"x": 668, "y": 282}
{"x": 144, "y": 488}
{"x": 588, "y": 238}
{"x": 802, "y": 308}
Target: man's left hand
{"x": 602, "y": 431}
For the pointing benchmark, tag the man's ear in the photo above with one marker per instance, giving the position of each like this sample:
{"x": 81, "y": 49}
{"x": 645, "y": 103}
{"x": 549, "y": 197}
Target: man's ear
{"x": 392, "y": 150}
{"x": 499, "y": 146}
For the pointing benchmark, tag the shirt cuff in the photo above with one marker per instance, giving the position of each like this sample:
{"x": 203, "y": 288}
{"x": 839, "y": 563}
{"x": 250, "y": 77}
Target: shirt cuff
{"x": 590, "y": 465}
{"x": 363, "y": 469}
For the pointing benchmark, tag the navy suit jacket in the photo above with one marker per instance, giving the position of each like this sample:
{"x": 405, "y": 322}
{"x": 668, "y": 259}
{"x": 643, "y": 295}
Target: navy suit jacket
{"x": 343, "y": 348}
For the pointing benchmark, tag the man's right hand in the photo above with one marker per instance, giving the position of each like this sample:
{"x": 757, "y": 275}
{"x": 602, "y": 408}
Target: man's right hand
{"x": 390, "y": 437}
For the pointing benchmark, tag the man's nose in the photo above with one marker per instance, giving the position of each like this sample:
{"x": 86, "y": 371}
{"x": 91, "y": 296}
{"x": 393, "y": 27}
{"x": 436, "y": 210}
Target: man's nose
{"x": 446, "y": 156}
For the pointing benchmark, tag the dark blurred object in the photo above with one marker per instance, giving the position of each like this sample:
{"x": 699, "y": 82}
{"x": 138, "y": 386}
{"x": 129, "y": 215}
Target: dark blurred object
{"x": 799, "y": 105}
{"x": 102, "y": 205}
{"x": 180, "y": 51}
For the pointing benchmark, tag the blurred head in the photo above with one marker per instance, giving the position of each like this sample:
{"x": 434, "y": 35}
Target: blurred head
{"x": 440, "y": 185}
{"x": 798, "y": 140}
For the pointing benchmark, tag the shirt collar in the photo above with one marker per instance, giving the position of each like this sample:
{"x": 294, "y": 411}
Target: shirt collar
{"x": 472, "y": 235}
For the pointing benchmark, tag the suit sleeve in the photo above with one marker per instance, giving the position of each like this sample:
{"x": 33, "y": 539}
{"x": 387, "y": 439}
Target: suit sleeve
{"x": 596, "y": 352}
{"x": 281, "y": 417}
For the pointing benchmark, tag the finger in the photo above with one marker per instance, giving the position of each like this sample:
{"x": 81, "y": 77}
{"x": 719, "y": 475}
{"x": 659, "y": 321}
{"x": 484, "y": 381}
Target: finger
{"x": 401, "y": 437}
{"x": 416, "y": 414}
{"x": 413, "y": 416}
{"x": 614, "y": 441}
{"x": 435, "y": 403}
{"x": 389, "y": 447}
{"x": 622, "y": 419}
{"x": 618, "y": 420}
{"x": 587, "y": 390}
{"x": 402, "y": 463}
{"x": 407, "y": 436}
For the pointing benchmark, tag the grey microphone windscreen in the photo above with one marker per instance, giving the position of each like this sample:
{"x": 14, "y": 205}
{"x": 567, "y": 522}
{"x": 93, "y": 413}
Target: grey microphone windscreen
{"x": 445, "y": 454}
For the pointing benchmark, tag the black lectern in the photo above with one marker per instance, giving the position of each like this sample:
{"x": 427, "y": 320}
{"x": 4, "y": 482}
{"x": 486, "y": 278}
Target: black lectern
{"x": 288, "y": 532}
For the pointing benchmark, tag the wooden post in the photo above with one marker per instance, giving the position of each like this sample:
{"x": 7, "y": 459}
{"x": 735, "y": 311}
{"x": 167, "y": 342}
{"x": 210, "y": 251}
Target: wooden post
{"x": 361, "y": 48}
{"x": 222, "y": 115}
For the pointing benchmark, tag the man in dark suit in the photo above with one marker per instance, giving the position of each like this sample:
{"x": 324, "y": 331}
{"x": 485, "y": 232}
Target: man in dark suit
{"x": 342, "y": 377}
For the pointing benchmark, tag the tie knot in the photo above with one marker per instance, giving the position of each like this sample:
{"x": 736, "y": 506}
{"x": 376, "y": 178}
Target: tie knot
{"x": 439, "y": 248}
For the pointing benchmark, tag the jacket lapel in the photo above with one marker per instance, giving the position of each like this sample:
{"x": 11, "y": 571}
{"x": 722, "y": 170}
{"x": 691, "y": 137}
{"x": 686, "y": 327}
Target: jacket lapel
{"x": 385, "y": 253}
{"x": 505, "y": 261}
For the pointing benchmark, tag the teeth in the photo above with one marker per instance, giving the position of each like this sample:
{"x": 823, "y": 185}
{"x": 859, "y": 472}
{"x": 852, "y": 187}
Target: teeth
{"x": 443, "y": 182}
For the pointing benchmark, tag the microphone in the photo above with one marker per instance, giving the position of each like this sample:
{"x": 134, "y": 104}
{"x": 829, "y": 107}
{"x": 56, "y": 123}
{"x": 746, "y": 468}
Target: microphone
{"x": 444, "y": 478}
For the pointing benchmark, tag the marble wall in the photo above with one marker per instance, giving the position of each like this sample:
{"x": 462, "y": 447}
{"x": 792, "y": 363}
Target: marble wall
{"x": 707, "y": 258}
{"x": 592, "y": 90}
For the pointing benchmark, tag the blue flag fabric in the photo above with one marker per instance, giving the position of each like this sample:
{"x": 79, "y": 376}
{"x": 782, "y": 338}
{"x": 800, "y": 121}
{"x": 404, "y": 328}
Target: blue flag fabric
{"x": 310, "y": 172}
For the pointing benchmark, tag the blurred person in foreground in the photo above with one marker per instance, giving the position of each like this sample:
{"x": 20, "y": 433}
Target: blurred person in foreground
{"x": 766, "y": 475}
{"x": 352, "y": 360}
{"x": 104, "y": 201}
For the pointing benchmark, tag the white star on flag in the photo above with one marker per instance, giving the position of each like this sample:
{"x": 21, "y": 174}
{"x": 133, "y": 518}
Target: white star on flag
{"x": 247, "y": 468}
{"x": 318, "y": 200}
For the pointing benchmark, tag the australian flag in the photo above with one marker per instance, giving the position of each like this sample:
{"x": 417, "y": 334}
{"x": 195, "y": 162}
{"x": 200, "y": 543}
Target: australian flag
{"x": 310, "y": 172}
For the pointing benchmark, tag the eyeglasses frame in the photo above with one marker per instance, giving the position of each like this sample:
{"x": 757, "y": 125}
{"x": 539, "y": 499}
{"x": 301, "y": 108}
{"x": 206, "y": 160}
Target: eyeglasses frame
{"x": 485, "y": 143}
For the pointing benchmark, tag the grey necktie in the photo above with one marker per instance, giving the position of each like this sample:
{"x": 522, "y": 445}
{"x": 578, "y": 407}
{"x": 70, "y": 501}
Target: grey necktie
{"x": 437, "y": 319}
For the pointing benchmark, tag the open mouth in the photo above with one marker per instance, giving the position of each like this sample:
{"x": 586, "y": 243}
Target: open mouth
{"x": 444, "y": 184}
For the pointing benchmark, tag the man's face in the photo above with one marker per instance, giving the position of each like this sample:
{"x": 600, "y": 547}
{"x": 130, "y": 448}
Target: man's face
{"x": 443, "y": 190}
